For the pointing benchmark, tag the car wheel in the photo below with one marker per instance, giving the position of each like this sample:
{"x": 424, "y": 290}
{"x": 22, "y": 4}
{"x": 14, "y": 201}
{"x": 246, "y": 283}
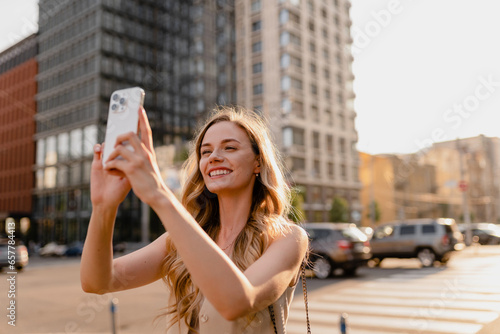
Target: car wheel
{"x": 322, "y": 268}
{"x": 426, "y": 257}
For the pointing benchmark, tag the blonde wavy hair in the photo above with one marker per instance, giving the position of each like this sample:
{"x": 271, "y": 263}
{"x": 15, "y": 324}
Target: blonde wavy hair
{"x": 270, "y": 206}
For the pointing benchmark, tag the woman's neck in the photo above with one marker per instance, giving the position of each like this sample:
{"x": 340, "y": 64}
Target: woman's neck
{"x": 234, "y": 212}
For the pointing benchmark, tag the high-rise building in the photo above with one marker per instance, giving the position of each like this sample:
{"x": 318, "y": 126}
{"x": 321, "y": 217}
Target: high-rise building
{"x": 293, "y": 64}
{"x": 18, "y": 70}
{"x": 290, "y": 60}
{"x": 89, "y": 49}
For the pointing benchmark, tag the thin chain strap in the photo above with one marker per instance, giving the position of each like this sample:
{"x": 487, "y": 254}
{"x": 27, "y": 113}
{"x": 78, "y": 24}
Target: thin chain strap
{"x": 304, "y": 289}
{"x": 306, "y": 303}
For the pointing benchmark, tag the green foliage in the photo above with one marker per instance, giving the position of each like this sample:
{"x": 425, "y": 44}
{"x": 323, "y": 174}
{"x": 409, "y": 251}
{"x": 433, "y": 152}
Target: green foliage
{"x": 296, "y": 213}
{"x": 375, "y": 210}
{"x": 339, "y": 211}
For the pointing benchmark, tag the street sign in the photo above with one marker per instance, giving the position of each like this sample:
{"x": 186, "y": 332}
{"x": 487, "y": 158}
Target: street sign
{"x": 463, "y": 185}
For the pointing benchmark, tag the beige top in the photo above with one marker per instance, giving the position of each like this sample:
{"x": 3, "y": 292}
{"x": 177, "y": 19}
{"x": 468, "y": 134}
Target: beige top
{"x": 211, "y": 322}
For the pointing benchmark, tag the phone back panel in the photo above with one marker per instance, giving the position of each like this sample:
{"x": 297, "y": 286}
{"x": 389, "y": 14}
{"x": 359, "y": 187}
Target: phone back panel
{"x": 123, "y": 116}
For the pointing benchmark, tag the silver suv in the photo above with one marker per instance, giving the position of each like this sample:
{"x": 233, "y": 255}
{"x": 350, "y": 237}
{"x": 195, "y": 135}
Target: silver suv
{"x": 429, "y": 240}
{"x": 336, "y": 246}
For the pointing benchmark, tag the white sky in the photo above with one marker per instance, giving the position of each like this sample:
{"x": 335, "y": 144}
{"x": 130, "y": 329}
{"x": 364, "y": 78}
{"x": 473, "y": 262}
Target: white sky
{"x": 425, "y": 70}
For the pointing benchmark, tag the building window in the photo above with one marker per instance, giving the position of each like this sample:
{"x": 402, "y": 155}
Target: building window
{"x": 326, "y": 73}
{"x": 298, "y": 165}
{"x": 331, "y": 170}
{"x": 315, "y": 114}
{"x": 343, "y": 172}
{"x": 311, "y": 26}
{"x": 63, "y": 146}
{"x": 317, "y": 169}
{"x": 284, "y": 38}
{"x": 296, "y": 61}
{"x": 286, "y": 105}
{"x": 342, "y": 146}
{"x": 314, "y": 89}
{"x": 257, "y": 47}
{"x": 297, "y": 84}
{"x": 285, "y": 83}
{"x": 89, "y": 139}
{"x": 257, "y": 67}
{"x": 312, "y": 47}
{"x": 285, "y": 60}
{"x": 284, "y": 15}
{"x": 76, "y": 143}
{"x": 257, "y": 25}
{"x": 256, "y": 5}
{"x": 313, "y": 68}
{"x": 326, "y": 54}
{"x": 316, "y": 139}
{"x": 257, "y": 89}
{"x": 329, "y": 143}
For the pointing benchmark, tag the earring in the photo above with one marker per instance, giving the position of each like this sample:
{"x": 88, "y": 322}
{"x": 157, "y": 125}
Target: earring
{"x": 256, "y": 174}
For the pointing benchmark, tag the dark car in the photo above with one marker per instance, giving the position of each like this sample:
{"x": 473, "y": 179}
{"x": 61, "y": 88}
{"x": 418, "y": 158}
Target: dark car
{"x": 429, "y": 240}
{"x": 20, "y": 255}
{"x": 336, "y": 246}
{"x": 485, "y": 233}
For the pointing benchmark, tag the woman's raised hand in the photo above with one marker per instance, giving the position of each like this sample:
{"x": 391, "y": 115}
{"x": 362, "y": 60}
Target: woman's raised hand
{"x": 106, "y": 190}
{"x": 138, "y": 166}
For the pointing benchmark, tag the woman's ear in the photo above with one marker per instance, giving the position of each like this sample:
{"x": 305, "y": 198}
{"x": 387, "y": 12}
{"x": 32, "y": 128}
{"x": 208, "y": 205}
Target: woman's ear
{"x": 257, "y": 165}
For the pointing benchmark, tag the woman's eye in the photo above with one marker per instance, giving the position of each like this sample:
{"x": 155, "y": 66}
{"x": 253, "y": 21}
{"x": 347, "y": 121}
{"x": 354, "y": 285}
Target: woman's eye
{"x": 230, "y": 148}
{"x": 205, "y": 152}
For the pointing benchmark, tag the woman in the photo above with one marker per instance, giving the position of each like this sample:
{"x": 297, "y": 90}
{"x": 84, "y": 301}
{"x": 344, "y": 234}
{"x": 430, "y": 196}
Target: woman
{"x": 229, "y": 252}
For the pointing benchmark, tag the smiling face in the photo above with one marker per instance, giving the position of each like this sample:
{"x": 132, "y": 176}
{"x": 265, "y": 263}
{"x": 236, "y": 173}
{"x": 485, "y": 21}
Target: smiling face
{"x": 227, "y": 160}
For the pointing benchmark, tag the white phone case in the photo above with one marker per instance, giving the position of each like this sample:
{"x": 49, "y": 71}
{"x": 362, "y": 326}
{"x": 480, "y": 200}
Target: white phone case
{"x": 123, "y": 116}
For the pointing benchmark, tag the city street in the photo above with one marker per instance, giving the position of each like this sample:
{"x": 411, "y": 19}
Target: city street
{"x": 399, "y": 297}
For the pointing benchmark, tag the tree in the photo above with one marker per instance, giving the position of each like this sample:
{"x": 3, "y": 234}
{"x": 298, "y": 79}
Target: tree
{"x": 339, "y": 211}
{"x": 296, "y": 213}
{"x": 373, "y": 211}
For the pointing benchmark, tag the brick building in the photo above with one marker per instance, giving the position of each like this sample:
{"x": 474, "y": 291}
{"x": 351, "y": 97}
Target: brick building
{"x": 18, "y": 70}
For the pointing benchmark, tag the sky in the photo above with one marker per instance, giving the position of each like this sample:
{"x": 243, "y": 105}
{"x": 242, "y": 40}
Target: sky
{"x": 425, "y": 70}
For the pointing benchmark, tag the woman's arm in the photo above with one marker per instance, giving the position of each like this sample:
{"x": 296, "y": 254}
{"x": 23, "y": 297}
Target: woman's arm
{"x": 99, "y": 273}
{"x": 232, "y": 292}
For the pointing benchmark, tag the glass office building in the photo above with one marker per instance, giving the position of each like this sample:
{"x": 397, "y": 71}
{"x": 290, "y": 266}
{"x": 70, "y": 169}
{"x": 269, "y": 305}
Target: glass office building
{"x": 90, "y": 48}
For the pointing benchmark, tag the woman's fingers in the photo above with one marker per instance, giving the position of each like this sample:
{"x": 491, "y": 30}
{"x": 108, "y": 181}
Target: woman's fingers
{"x": 145, "y": 130}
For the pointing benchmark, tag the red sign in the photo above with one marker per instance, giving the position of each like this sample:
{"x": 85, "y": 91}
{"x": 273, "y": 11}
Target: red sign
{"x": 463, "y": 185}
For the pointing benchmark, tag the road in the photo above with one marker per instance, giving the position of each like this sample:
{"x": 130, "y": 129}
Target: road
{"x": 462, "y": 297}
{"x": 399, "y": 297}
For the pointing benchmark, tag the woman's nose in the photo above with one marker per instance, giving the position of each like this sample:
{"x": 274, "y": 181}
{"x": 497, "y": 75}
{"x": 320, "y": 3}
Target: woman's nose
{"x": 215, "y": 156}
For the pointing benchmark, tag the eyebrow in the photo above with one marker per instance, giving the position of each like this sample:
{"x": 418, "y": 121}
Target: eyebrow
{"x": 223, "y": 141}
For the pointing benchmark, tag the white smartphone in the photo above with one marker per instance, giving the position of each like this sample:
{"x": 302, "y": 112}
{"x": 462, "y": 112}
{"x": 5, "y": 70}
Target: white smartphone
{"x": 123, "y": 116}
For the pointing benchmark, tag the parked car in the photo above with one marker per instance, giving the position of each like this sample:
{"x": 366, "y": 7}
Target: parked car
{"x": 336, "y": 245}
{"x": 53, "y": 249}
{"x": 74, "y": 249}
{"x": 429, "y": 240}
{"x": 486, "y": 233}
{"x": 21, "y": 254}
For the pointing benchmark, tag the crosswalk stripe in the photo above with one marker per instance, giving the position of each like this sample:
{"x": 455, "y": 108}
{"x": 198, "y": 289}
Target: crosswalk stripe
{"x": 451, "y": 286}
{"x": 449, "y": 303}
{"x": 433, "y": 311}
{"x": 356, "y": 321}
{"x": 420, "y": 292}
{"x": 455, "y": 301}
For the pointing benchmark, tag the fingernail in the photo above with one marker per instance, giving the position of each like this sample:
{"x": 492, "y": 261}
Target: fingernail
{"x": 97, "y": 148}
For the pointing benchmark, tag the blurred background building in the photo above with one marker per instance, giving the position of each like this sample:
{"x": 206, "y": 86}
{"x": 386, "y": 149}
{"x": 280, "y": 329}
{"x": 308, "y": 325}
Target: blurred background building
{"x": 288, "y": 60}
{"x": 294, "y": 66}
{"x": 429, "y": 183}
{"x": 18, "y": 70}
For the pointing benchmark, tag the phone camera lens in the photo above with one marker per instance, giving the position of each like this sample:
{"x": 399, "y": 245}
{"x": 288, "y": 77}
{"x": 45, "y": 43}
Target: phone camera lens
{"x": 114, "y": 106}
{"x": 122, "y": 100}
{"x": 115, "y": 97}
